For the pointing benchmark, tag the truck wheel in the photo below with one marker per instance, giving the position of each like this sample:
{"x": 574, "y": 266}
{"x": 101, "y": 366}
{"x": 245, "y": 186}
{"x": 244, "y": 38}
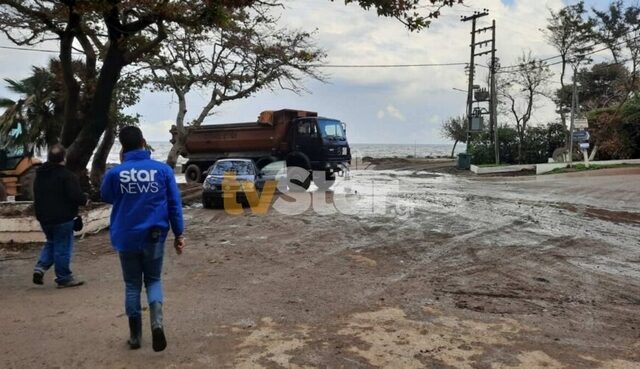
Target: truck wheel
{"x": 25, "y": 185}
{"x": 193, "y": 174}
{"x": 326, "y": 182}
{"x": 264, "y": 161}
{"x": 298, "y": 170}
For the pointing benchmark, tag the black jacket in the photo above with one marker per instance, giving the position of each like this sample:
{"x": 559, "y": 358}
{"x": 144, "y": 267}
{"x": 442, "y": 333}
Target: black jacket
{"x": 57, "y": 194}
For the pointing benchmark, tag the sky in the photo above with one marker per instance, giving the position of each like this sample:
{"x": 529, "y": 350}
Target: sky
{"x": 379, "y": 105}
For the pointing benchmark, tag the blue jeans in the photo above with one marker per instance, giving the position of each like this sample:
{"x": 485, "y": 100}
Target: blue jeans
{"x": 57, "y": 250}
{"x": 137, "y": 267}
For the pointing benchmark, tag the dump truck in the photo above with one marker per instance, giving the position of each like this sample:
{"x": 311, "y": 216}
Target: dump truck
{"x": 301, "y": 138}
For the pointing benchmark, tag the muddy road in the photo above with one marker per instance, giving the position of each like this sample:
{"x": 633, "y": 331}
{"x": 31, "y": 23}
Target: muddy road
{"x": 409, "y": 269}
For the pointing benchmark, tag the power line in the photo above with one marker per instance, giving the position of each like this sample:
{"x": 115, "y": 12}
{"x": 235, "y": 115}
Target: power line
{"x": 29, "y": 49}
{"x": 48, "y": 51}
{"x": 517, "y": 67}
{"x": 313, "y": 65}
{"x": 387, "y": 65}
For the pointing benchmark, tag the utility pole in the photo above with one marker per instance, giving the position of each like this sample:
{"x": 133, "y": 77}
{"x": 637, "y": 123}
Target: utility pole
{"x": 494, "y": 97}
{"x": 472, "y": 18}
{"x": 574, "y": 106}
{"x": 573, "y": 117}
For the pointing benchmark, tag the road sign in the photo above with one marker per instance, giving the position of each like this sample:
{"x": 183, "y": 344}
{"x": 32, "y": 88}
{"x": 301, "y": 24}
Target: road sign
{"x": 581, "y": 123}
{"x": 579, "y": 136}
{"x": 584, "y": 145}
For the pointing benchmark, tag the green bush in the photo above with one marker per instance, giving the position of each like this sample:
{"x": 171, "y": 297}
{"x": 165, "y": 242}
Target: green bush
{"x": 539, "y": 144}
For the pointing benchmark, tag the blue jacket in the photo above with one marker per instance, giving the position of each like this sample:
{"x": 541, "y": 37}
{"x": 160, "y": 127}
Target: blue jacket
{"x": 145, "y": 196}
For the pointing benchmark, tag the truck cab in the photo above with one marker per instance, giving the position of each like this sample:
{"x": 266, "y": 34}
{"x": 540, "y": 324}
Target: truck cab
{"x": 323, "y": 141}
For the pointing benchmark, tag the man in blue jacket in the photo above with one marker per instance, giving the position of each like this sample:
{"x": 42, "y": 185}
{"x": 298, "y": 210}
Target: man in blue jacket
{"x": 146, "y": 202}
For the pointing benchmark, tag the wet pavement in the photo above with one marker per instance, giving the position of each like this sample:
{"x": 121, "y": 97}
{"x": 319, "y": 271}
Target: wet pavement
{"x": 395, "y": 269}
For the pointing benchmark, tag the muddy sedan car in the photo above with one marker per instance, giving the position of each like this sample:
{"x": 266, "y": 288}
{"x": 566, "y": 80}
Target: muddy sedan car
{"x": 246, "y": 173}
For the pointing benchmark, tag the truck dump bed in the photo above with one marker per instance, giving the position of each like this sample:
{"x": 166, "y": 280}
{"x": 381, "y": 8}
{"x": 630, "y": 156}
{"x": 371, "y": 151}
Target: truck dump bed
{"x": 269, "y": 133}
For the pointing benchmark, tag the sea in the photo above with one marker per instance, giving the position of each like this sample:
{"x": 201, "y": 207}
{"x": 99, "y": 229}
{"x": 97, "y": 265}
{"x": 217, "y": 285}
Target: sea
{"x": 160, "y": 150}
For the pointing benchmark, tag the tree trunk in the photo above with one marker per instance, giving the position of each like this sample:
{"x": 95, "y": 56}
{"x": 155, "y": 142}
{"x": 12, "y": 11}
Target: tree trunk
{"x": 520, "y": 142}
{"x": 454, "y": 149}
{"x": 80, "y": 151}
{"x": 99, "y": 164}
{"x": 180, "y": 137}
{"x": 174, "y": 153}
{"x": 72, "y": 124}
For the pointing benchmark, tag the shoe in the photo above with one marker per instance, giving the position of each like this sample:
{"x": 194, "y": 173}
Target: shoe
{"x": 37, "y": 278}
{"x": 135, "y": 332}
{"x": 157, "y": 330}
{"x": 71, "y": 283}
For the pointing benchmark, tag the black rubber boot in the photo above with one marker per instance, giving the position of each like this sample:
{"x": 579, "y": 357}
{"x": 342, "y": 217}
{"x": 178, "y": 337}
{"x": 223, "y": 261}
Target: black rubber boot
{"x": 135, "y": 332}
{"x": 157, "y": 330}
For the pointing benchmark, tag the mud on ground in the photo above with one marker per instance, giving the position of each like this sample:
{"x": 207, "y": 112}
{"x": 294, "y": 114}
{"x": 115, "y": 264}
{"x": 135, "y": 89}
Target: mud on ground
{"x": 473, "y": 273}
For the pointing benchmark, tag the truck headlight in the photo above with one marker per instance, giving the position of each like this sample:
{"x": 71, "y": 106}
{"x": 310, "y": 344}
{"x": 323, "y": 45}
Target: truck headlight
{"x": 344, "y": 151}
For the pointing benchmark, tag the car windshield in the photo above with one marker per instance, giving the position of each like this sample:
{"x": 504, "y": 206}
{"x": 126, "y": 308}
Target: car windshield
{"x": 241, "y": 168}
{"x": 331, "y": 129}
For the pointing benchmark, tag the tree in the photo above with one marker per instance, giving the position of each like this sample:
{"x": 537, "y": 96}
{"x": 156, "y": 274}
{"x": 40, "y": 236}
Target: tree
{"x": 37, "y": 114}
{"x": 111, "y": 35}
{"x": 114, "y": 34}
{"x": 455, "y": 129}
{"x": 521, "y": 89}
{"x": 632, "y": 43}
{"x": 126, "y": 94}
{"x": 618, "y": 27}
{"x": 250, "y": 54}
{"x": 601, "y": 86}
{"x": 571, "y": 35}
{"x": 415, "y": 14}
{"x": 610, "y": 28}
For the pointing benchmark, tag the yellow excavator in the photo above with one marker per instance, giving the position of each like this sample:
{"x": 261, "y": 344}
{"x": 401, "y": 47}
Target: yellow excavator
{"x": 17, "y": 172}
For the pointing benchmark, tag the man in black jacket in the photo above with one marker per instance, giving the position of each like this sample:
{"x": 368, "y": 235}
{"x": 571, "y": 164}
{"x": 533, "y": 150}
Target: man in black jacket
{"x": 57, "y": 196}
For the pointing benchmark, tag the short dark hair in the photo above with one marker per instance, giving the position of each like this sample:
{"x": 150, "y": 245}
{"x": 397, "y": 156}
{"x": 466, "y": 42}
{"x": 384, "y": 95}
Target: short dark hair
{"x": 131, "y": 138}
{"x": 56, "y": 154}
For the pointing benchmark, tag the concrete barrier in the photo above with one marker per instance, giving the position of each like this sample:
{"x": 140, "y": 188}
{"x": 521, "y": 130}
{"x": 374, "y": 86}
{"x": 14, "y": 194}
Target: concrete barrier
{"x": 549, "y": 167}
{"x": 26, "y": 229}
{"x": 546, "y": 167}
{"x": 501, "y": 169}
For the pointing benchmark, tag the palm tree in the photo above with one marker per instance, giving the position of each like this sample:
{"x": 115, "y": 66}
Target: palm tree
{"x": 33, "y": 121}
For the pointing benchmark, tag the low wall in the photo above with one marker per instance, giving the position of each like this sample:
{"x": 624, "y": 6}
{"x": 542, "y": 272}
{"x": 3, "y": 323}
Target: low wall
{"x": 18, "y": 228}
{"x": 549, "y": 167}
{"x": 501, "y": 169}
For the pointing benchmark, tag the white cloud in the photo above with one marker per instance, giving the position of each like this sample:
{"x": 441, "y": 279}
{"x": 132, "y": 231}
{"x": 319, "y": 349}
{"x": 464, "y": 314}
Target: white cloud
{"x": 157, "y": 131}
{"x": 392, "y": 112}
